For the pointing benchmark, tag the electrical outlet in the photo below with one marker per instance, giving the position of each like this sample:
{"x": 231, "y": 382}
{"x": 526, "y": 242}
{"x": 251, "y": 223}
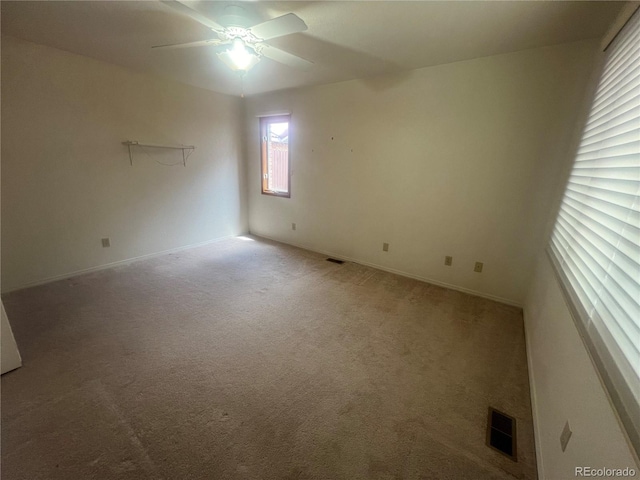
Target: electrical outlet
{"x": 106, "y": 242}
{"x": 565, "y": 436}
{"x": 448, "y": 261}
{"x": 293, "y": 226}
{"x": 478, "y": 267}
{"x": 385, "y": 247}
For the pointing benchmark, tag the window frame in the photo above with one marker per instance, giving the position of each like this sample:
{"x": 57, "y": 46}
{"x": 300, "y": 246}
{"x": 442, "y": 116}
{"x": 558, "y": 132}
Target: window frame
{"x": 264, "y": 179}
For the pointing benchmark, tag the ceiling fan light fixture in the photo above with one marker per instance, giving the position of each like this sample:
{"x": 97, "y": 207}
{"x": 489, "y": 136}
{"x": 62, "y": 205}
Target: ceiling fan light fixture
{"x": 239, "y": 57}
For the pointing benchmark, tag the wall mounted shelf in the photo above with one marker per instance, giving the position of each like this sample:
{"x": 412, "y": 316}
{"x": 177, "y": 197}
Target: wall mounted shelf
{"x": 184, "y": 148}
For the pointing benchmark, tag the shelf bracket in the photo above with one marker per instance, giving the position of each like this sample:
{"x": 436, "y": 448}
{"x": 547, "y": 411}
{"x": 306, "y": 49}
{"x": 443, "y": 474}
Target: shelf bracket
{"x": 184, "y": 148}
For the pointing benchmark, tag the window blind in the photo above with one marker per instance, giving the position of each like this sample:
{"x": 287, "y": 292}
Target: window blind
{"x": 595, "y": 245}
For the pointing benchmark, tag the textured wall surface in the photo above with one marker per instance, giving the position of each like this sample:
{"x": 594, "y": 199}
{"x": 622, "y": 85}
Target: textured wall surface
{"x": 566, "y": 387}
{"x": 66, "y": 177}
{"x": 456, "y": 160}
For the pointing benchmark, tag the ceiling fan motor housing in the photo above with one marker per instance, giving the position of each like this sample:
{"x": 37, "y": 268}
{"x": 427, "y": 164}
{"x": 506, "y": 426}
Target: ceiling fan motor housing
{"x": 234, "y": 16}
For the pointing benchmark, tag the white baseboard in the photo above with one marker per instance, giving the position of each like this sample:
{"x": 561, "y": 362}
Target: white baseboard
{"x": 534, "y": 408}
{"x": 126, "y": 261}
{"x": 306, "y": 247}
{"x": 397, "y": 272}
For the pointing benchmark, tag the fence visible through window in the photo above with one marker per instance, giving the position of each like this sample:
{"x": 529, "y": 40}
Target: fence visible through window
{"x": 275, "y": 155}
{"x": 278, "y": 162}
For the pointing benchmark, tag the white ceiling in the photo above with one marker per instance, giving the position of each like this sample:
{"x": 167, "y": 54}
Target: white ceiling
{"x": 345, "y": 40}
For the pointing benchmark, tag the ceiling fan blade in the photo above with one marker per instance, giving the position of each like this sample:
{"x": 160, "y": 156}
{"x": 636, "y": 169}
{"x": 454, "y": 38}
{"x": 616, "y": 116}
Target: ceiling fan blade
{"x": 201, "y": 43}
{"x": 279, "y": 27}
{"x": 285, "y": 58}
{"x": 197, "y": 16}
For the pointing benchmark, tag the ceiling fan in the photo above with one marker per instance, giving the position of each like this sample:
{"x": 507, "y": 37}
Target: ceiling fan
{"x": 246, "y": 43}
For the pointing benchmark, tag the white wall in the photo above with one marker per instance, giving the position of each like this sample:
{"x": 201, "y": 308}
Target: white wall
{"x": 66, "y": 177}
{"x": 456, "y": 159}
{"x": 9, "y": 356}
{"x": 565, "y": 386}
{"x": 564, "y": 383}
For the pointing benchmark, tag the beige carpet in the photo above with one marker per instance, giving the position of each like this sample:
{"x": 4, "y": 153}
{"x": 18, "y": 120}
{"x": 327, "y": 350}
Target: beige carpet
{"x": 248, "y": 359}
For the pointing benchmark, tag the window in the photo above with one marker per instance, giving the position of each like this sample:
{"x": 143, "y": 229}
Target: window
{"x": 274, "y": 152}
{"x": 595, "y": 245}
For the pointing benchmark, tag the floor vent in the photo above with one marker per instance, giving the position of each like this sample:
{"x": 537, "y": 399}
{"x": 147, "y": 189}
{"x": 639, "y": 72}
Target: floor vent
{"x": 501, "y": 433}
{"x": 335, "y": 260}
